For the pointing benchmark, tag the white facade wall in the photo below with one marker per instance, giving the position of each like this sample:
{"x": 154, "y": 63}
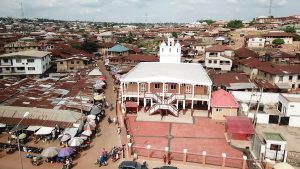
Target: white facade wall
{"x": 294, "y": 121}
{"x": 40, "y": 65}
{"x": 286, "y": 79}
{"x": 170, "y": 52}
{"x": 215, "y": 61}
{"x": 289, "y": 108}
{"x": 256, "y": 42}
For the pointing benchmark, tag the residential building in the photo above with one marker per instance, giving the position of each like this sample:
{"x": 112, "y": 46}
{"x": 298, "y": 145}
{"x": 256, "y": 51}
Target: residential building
{"x": 289, "y": 104}
{"x": 21, "y": 46}
{"x": 25, "y": 63}
{"x": 71, "y": 64}
{"x": 244, "y": 52}
{"x": 104, "y": 46}
{"x": 255, "y": 42}
{"x": 277, "y": 56}
{"x": 106, "y": 37}
{"x": 167, "y": 86}
{"x": 231, "y": 81}
{"x": 118, "y": 50}
{"x": 218, "y": 57}
{"x": 223, "y": 104}
{"x": 272, "y": 35}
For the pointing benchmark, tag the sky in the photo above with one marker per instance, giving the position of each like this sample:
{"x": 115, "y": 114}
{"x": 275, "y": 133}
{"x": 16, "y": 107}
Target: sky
{"x": 183, "y": 11}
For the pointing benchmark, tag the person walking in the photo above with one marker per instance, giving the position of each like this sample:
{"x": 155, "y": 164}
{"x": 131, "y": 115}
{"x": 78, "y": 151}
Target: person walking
{"x": 165, "y": 159}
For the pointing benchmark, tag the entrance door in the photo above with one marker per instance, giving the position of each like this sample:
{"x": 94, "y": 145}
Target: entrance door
{"x": 166, "y": 88}
{"x": 142, "y": 87}
{"x": 188, "y": 89}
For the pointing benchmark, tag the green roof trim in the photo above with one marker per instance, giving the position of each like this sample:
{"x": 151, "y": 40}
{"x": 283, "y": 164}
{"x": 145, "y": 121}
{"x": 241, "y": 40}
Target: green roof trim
{"x": 273, "y": 136}
{"x": 118, "y": 48}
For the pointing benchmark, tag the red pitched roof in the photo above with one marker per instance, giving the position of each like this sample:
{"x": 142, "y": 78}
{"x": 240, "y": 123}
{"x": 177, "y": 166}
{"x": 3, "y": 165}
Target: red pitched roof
{"x": 277, "y": 34}
{"x": 245, "y": 53}
{"x": 217, "y": 48}
{"x": 64, "y": 52}
{"x": 227, "y": 78}
{"x": 221, "y": 98}
{"x": 142, "y": 58}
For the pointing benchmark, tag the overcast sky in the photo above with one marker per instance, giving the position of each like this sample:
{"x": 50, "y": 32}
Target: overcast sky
{"x": 156, "y": 10}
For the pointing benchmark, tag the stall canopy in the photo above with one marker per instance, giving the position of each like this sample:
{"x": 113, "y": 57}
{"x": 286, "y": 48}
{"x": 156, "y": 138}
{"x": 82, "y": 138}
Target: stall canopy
{"x": 239, "y": 125}
{"x": 131, "y": 104}
{"x": 71, "y": 131}
{"x": 19, "y": 128}
{"x": 33, "y": 128}
{"x": 95, "y": 110}
{"x": 44, "y": 131}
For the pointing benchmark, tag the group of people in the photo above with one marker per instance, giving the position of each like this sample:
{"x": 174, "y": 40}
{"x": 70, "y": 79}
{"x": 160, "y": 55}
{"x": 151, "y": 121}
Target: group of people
{"x": 103, "y": 158}
{"x": 167, "y": 159}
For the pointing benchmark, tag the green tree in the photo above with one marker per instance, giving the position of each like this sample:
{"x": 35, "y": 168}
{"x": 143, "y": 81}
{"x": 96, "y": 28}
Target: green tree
{"x": 235, "y": 24}
{"x": 278, "y": 41}
{"x": 208, "y": 21}
{"x": 89, "y": 47}
{"x": 290, "y": 29}
{"x": 174, "y": 35}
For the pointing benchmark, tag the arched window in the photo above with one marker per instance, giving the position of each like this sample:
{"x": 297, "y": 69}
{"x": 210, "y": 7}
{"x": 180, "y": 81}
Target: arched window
{"x": 170, "y": 43}
{"x": 177, "y": 50}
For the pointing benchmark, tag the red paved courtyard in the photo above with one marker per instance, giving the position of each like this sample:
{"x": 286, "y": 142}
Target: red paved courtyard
{"x": 204, "y": 135}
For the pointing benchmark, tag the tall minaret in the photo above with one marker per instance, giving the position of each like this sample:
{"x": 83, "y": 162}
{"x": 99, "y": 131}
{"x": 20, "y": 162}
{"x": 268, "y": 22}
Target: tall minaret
{"x": 170, "y": 52}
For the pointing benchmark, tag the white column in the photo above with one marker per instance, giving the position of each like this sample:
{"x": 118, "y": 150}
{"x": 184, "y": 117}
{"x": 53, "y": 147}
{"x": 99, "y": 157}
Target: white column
{"x": 208, "y": 102}
{"x": 163, "y": 92}
{"x": 145, "y": 102}
{"x": 183, "y": 104}
{"x": 177, "y": 104}
{"x": 179, "y": 91}
{"x": 138, "y": 88}
{"x": 148, "y": 87}
{"x": 193, "y": 93}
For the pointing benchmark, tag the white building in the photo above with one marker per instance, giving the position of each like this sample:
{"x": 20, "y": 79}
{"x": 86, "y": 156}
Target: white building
{"x": 256, "y": 42}
{"x": 24, "y": 63}
{"x": 289, "y": 105}
{"x": 170, "y": 52}
{"x": 168, "y": 85}
{"x": 218, "y": 57}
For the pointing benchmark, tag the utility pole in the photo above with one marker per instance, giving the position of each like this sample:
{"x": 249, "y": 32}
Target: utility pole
{"x": 270, "y": 8}
{"x": 258, "y": 103}
{"x": 22, "y": 11}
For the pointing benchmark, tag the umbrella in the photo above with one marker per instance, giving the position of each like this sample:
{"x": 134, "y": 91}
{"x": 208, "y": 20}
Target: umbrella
{"x": 102, "y": 78}
{"x": 83, "y": 137}
{"x": 88, "y": 126}
{"x": 76, "y": 141}
{"x": 64, "y": 137}
{"x": 50, "y": 152}
{"x": 22, "y": 136}
{"x": 86, "y": 133}
{"x": 65, "y": 152}
{"x": 99, "y": 97}
{"x": 91, "y": 116}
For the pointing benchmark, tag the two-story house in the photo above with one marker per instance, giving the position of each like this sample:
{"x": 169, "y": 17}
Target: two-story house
{"x": 255, "y": 41}
{"x": 272, "y": 35}
{"x": 24, "y": 63}
{"x": 286, "y": 77}
{"x": 219, "y": 57}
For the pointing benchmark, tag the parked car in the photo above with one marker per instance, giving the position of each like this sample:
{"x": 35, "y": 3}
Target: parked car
{"x": 130, "y": 165}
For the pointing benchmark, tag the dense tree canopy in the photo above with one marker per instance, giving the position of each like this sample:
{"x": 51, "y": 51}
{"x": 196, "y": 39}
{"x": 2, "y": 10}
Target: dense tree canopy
{"x": 235, "y": 24}
{"x": 292, "y": 30}
{"x": 278, "y": 41}
{"x": 174, "y": 35}
{"x": 208, "y": 21}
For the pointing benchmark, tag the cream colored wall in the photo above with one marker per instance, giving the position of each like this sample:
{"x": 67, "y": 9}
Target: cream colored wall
{"x": 225, "y": 112}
